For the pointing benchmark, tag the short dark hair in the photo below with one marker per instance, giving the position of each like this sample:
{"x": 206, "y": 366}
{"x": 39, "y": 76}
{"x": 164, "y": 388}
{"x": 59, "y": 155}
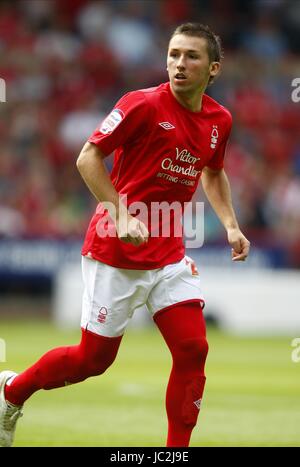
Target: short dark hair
{"x": 214, "y": 46}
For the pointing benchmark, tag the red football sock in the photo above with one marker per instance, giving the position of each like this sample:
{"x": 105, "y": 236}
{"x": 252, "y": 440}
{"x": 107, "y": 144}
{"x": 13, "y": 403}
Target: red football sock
{"x": 183, "y": 328}
{"x": 65, "y": 365}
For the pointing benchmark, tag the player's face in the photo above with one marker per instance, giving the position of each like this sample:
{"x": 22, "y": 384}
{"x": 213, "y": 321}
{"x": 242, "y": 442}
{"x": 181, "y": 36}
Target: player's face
{"x": 188, "y": 63}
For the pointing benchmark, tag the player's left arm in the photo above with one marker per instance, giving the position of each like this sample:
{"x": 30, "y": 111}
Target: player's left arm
{"x": 217, "y": 189}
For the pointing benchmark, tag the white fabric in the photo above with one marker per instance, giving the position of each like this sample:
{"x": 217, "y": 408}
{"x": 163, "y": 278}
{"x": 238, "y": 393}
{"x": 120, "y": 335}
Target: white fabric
{"x": 111, "y": 295}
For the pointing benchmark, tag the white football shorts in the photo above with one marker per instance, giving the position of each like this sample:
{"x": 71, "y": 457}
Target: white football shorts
{"x": 111, "y": 295}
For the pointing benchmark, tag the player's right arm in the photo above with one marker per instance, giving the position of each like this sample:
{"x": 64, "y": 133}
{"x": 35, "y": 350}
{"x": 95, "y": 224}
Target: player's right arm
{"x": 93, "y": 171}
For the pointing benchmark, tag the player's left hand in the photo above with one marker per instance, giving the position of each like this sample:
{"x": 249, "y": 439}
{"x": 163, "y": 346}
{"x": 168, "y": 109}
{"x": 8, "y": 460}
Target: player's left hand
{"x": 240, "y": 244}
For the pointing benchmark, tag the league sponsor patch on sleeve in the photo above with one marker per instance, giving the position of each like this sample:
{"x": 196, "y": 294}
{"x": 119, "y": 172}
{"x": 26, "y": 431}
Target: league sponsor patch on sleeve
{"x": 111, "y": 122}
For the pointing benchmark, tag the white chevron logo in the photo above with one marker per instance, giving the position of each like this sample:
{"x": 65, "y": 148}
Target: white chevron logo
{"x": 198, "y": 403}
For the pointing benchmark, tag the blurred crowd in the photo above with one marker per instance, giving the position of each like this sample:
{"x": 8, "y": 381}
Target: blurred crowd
{"x": 66, "y": 62}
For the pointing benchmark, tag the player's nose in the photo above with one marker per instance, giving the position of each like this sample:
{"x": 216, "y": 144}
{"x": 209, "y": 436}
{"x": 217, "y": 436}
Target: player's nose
{"x": 181, "y": 63}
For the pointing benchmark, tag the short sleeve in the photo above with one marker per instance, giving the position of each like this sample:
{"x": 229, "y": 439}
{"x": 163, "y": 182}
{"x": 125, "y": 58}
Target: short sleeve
{"x": 127, "y": 121}
{"x": 217, "y": 161}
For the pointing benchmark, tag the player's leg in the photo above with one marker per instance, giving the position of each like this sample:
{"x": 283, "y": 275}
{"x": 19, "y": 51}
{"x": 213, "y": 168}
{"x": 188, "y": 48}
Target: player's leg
{"x": 183, "y": 329}
{"x": 176, "y": 304}
{"x": 58, "y": 367}
{"x": 64, "y": 365}
{"x": 107, "y": 305}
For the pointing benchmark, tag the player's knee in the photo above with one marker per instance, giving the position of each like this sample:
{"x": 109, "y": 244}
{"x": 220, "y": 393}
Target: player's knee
{"x": 98, "y": 366}
{"x": 192, "y": 351}
{"x": 97, "y": 363}
{"x": 96, "y": 354}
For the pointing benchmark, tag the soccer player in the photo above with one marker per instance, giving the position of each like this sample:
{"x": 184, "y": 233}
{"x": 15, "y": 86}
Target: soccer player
{"x": 165, "y": 138}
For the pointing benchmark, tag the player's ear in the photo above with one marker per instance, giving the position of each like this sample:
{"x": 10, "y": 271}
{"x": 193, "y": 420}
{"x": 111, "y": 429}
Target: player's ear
{"x": 214, "y": 68}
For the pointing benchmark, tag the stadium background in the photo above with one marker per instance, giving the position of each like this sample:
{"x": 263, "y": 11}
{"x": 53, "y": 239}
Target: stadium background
{"x": 65, "y": 63}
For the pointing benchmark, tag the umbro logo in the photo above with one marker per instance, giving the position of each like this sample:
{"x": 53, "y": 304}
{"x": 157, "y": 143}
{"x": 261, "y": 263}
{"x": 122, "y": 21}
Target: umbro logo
{"x": 166, "y": 125}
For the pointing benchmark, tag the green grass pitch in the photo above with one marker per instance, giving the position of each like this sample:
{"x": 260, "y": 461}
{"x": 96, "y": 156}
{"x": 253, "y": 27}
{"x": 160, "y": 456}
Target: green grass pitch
{"x": 252, "y": 395}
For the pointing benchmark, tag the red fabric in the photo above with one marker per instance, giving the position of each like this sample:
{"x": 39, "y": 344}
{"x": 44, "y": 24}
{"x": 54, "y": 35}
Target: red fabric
{"x": 65, "y": 365}
{"x": 153, "y": 163}
{"x": 183, "y": 328}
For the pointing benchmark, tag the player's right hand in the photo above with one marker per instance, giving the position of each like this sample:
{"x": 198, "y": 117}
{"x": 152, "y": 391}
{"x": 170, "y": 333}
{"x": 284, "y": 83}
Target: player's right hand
{"x": 131, "y": 230}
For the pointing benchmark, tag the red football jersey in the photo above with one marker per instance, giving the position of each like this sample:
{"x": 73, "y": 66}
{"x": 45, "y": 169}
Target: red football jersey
{"x": 160, "y": 150}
